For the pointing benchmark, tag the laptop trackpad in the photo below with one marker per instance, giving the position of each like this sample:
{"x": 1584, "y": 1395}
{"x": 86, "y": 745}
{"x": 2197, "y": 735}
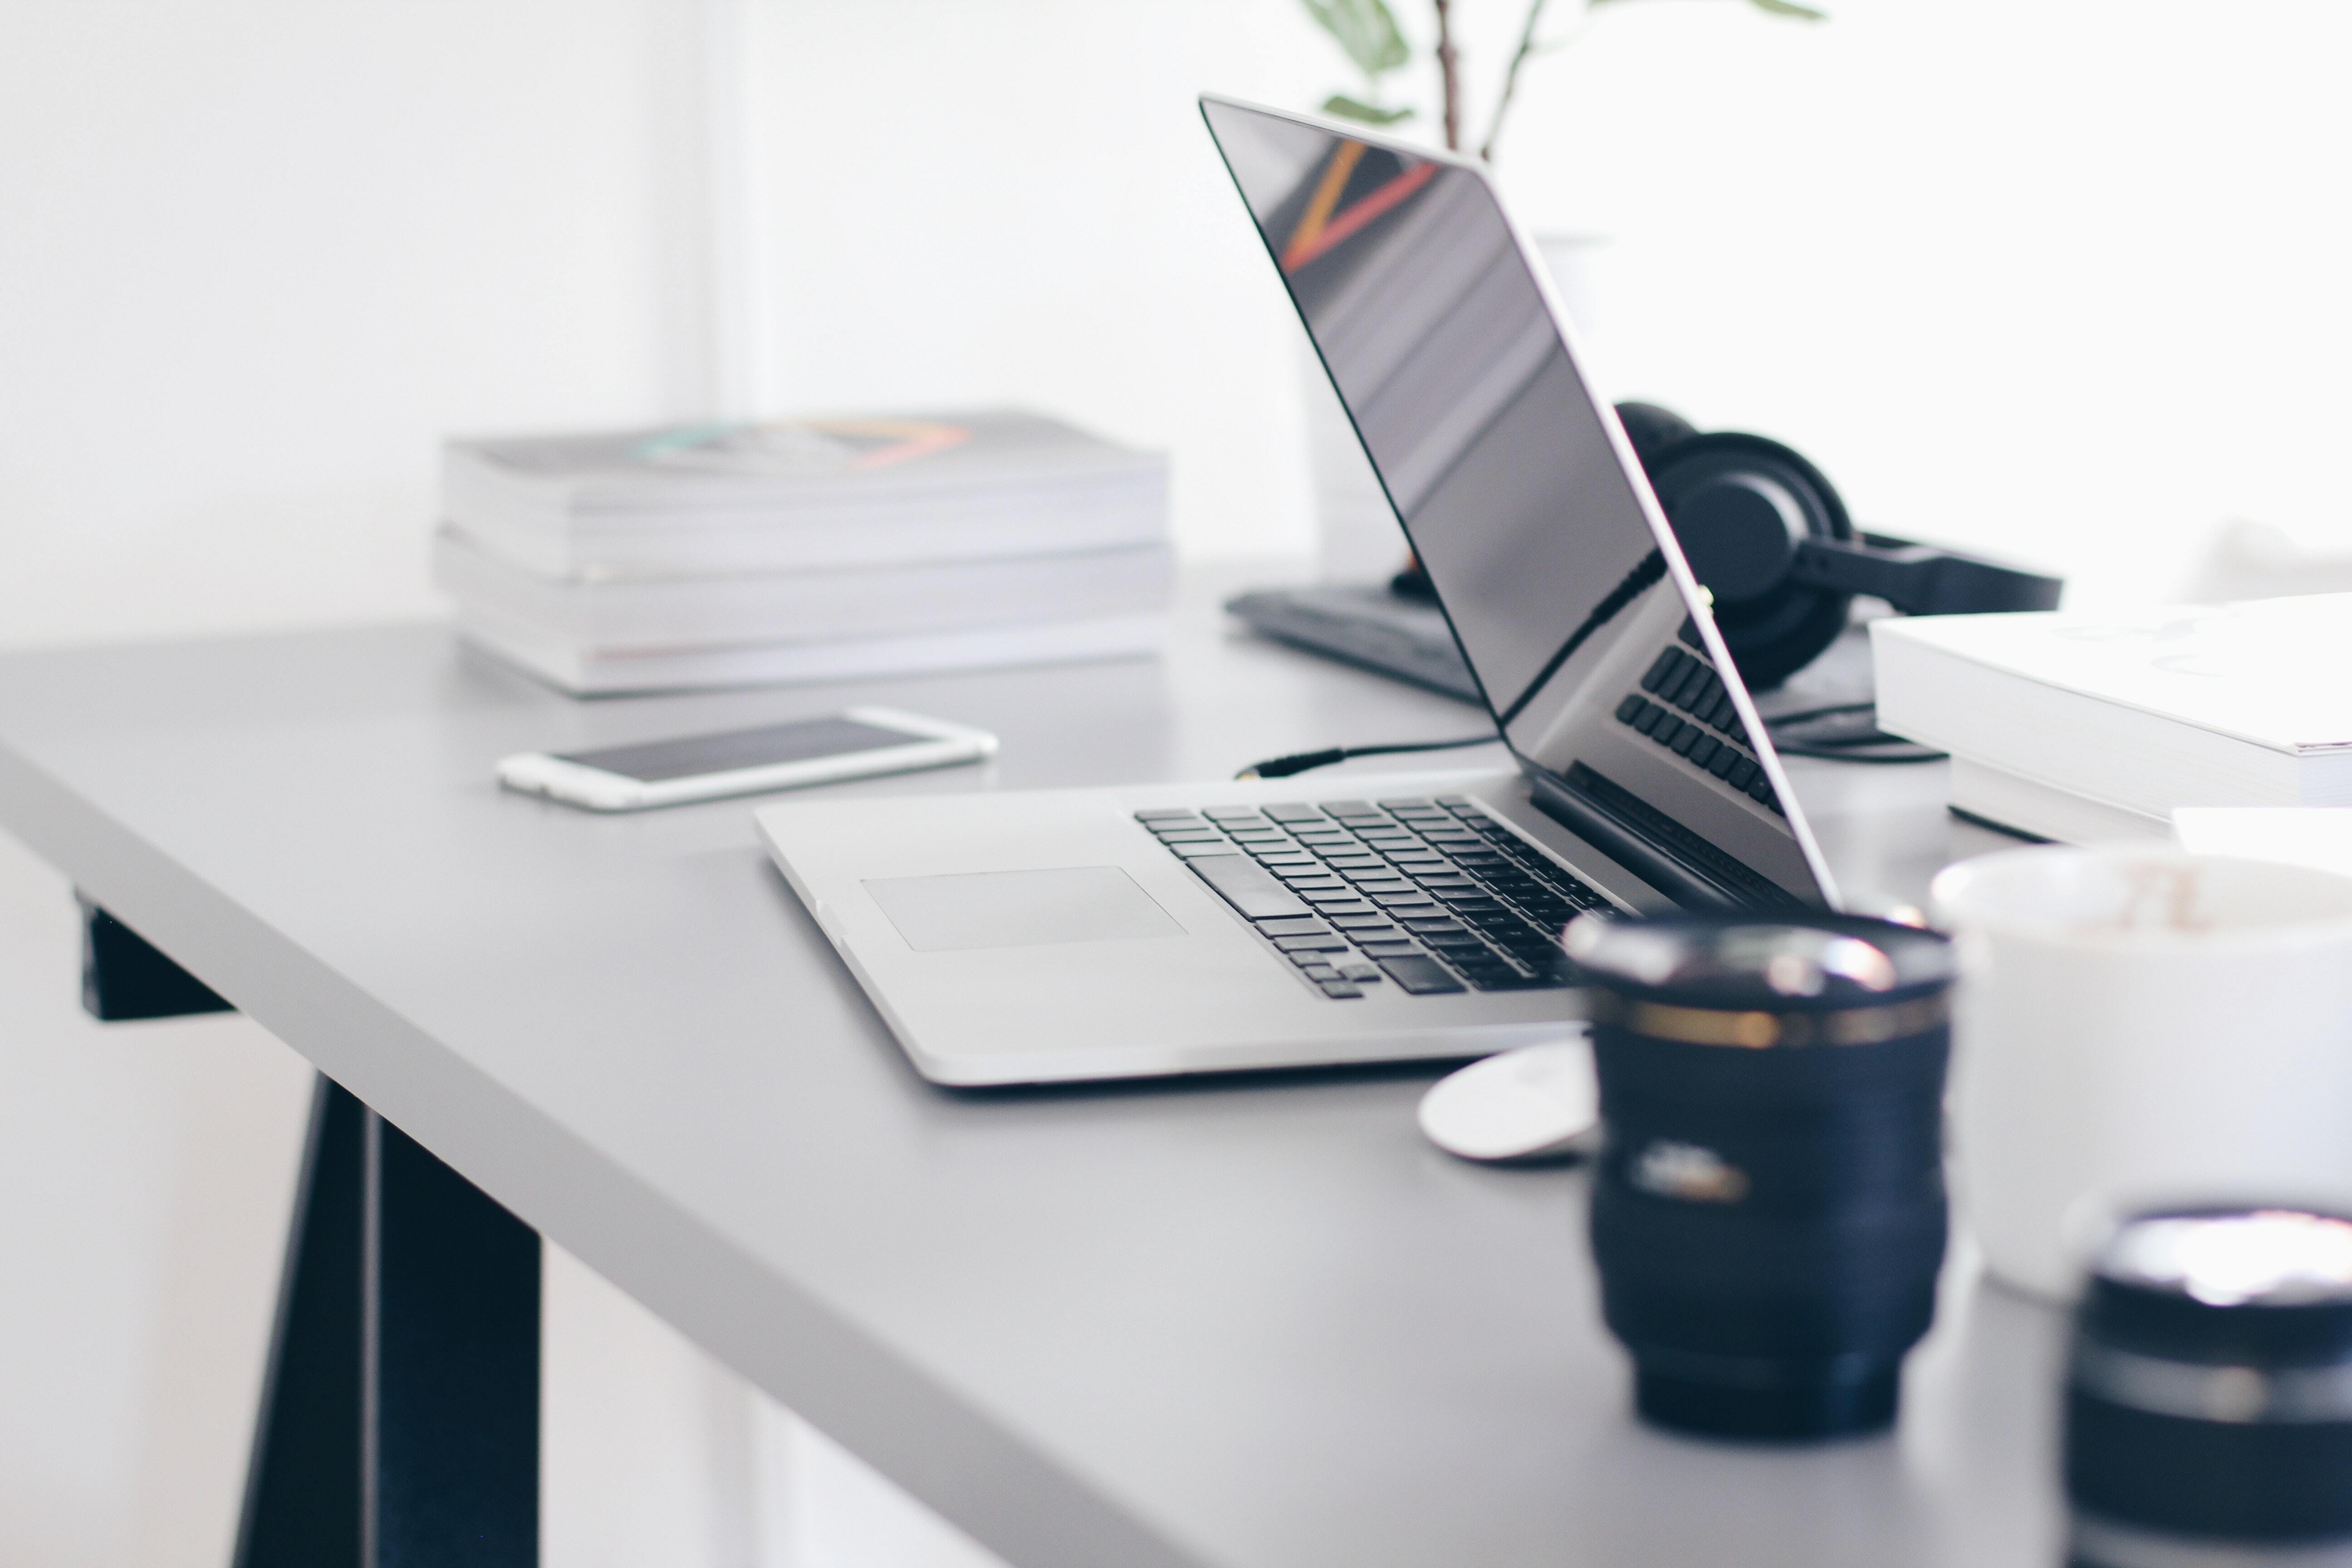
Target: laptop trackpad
{"x": 1020, "y": 909}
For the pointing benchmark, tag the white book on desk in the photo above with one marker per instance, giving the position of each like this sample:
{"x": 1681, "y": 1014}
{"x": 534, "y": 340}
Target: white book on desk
{"x": 933, "y": 597}
{"x": 593, "y": 672}
{"x": 716, "y": 474}
{"x": 2016, "y": 804}
{"x": 2240, "y": 705}
{"x": 1098, "y": 513}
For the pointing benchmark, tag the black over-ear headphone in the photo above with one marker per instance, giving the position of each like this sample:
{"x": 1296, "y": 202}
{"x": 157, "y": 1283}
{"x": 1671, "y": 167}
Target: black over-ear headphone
{"x": 1767, "y": 534}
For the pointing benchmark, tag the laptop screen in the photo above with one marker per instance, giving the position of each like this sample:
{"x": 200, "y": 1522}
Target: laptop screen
{"x": 1503, "y": 468}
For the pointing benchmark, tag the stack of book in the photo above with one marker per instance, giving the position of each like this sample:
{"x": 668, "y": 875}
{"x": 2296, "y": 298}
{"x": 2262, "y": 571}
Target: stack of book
{"x": 731, "y": 554}
{"x": 2090, "y": 729}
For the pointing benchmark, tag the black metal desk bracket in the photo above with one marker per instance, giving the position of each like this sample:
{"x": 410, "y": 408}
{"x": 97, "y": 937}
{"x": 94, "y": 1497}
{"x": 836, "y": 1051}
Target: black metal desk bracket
{"x": 399, "y": 1421}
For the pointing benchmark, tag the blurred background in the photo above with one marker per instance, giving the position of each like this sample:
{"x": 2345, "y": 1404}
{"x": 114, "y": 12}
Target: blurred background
{"x": 2060, "y": 281}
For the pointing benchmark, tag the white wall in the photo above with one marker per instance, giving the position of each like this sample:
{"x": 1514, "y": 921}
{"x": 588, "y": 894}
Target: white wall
{"x": 2061, "y": 278}
{"x": 255, "y": 256}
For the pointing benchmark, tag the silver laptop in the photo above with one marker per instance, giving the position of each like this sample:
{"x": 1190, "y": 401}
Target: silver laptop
{"x": 1031, "y": 937}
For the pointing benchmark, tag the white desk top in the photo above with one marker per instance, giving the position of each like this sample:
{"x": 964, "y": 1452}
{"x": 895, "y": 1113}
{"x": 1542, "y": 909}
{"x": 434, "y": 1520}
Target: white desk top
{"x": 1254, "y": 1321}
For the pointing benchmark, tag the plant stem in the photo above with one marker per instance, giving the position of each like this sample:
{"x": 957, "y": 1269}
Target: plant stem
{"x": 1510, "y": 78}
{"x": 1449, "y": 71}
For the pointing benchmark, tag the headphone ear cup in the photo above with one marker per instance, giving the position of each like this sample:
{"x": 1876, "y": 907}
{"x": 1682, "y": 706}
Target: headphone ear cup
{"x": 1652, "y": 430}
{"x": 1773, "y": 628}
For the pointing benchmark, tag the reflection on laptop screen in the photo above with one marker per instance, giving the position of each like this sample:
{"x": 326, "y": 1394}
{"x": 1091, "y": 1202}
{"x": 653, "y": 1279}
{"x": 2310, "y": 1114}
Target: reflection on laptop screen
{"x": 1497, "y": 459}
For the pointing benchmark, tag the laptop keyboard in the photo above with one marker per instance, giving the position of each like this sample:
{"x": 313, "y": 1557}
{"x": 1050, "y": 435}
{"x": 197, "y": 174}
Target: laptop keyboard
{"x": 1429, "y": 896}
{"x": 1711, "y": 739}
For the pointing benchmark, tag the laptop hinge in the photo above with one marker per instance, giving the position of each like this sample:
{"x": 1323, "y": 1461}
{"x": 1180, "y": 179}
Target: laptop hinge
{"x": 1670, "y": 877}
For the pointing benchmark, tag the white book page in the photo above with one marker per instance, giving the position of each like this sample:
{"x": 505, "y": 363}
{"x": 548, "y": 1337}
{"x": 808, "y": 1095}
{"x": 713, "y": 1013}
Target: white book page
{"x": 2277, "y": 673}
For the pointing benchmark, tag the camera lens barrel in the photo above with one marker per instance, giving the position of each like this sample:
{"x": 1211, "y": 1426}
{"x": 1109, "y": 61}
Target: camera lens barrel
{"x": 2208, "y": 1401}
{"x": 1769, "y": 1212}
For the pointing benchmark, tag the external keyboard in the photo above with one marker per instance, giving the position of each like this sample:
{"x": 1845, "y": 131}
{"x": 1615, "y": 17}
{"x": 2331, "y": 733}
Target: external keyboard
{"x": 1429, "y": 896}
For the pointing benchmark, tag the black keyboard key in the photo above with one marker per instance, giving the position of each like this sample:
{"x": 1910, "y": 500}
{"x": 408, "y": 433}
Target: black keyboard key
{"x": 1460, "y": 950}
{"x": 1456, "y": 799}
{"x": 1726, "y": 759}
{"x": 1303, "y": 960}
{"x": 1292, "y": 813}
{"x": 1515, "y": 981}
{"x": 1703, "y": 749}
{"x": 1248, "y": 886}
{"x": 1326, "y": 943}
{"x": 1761, "y": 787}
{"x": 1647, "y": 720}
{"x": 1690, "y": 736}
{"x": 1420, "y": 976}
{"x": 1668, "y": 661}
{"x": 1349, "y": 808}
{"x": 1388, "y": 949}
{"x": 1302, "y": 927}
{"x": 1361, "y": 924}
{"x": 1341, "y": 989}
{"x": 1358, "y": 973}
{"x": 1403, "y": 905}
{"x": 1444, "y": 881}
{"x": 1743, "y": 773}
{"x": 1423, "y": 926}
{"x": 1409, "y": 804}
{"x": 1685, "y": 691}
{"x": 1318, "y": 971}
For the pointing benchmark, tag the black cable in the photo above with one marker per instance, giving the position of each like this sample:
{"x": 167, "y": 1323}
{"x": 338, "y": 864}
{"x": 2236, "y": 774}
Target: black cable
{"x": 1836, "y": 748}
{"x": 1788, "y": 751}
{"x": 1302, "y": 762}
{"x": 1774, "y": 721}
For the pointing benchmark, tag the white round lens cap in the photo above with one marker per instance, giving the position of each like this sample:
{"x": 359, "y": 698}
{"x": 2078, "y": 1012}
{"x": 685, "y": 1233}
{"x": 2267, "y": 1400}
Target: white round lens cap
{"x": 1531, "y": 1103}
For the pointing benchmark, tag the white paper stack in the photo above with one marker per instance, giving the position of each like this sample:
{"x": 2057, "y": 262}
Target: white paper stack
{"x": 2090, "y": 729}
{"x": 728, "y": 555}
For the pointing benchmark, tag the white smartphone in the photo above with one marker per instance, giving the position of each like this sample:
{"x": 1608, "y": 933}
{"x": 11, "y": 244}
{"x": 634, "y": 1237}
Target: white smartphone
{"x": 855, "y": 743}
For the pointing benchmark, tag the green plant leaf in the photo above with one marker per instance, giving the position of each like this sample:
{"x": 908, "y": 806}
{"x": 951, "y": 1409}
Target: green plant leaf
{"x": 1790, "y": 8}
{"x": 1366, "y": 30}
{"x": 1341, "y": 106}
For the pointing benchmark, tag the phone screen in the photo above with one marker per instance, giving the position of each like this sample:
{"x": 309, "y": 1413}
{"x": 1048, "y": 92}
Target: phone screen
{"x": 802, "y": 741}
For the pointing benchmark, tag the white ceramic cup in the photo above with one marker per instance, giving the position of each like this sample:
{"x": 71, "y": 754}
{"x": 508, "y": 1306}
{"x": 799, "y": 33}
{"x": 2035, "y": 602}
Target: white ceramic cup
{"x": 2137, "y": 1028}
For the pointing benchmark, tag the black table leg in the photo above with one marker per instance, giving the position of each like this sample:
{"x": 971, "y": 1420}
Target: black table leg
{"x": 399, "y": 1423}
{"x": 125, "y": 976}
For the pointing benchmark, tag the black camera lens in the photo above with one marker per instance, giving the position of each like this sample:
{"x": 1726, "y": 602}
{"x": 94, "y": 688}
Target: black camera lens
{"x": 1768, "y": 1209}
{"x": 2208, "y": 1404}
